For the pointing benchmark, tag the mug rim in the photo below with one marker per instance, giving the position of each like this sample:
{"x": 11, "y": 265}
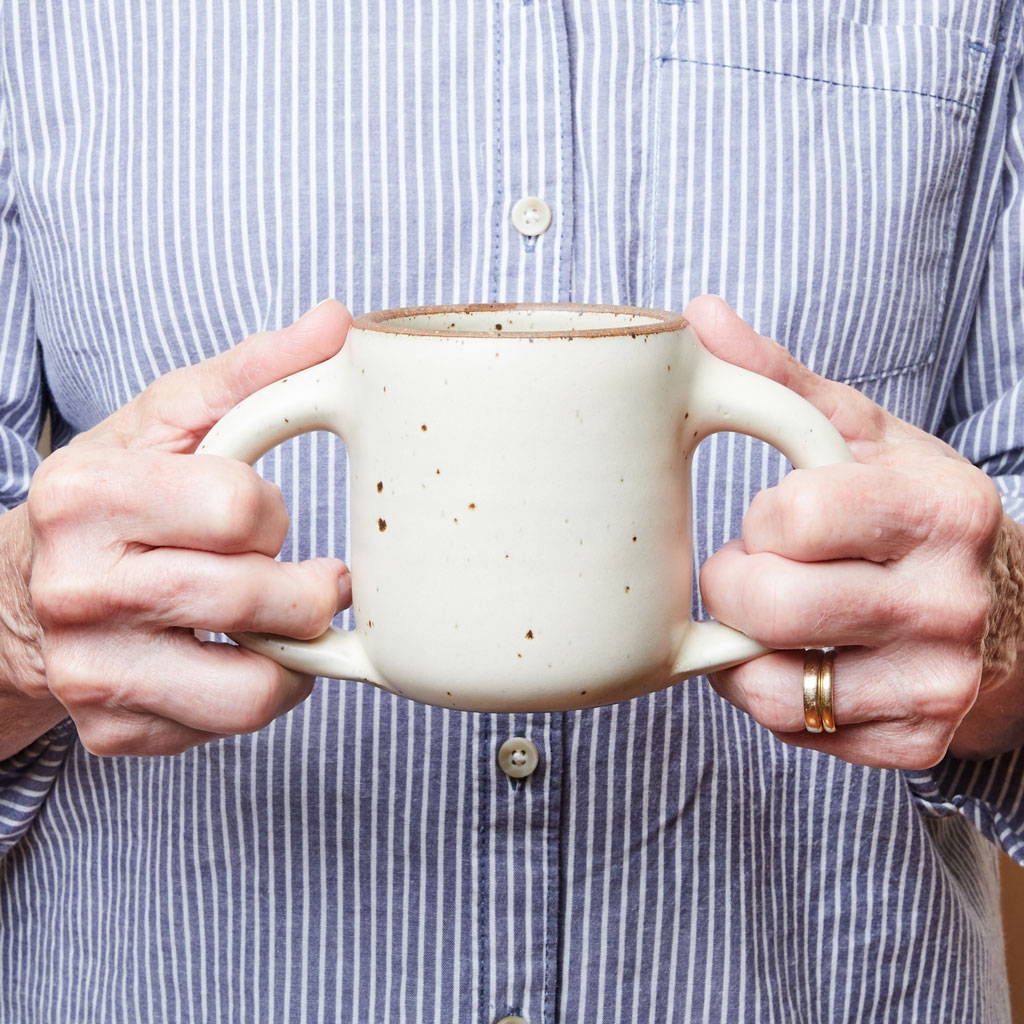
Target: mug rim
{"x": 383, "y": 321}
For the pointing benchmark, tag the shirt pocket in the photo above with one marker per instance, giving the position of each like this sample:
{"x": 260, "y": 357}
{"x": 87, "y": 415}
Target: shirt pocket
{"x": 810, "y": 168}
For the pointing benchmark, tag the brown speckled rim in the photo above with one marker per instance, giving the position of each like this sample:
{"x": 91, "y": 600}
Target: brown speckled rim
{"x": 386, "y": 321}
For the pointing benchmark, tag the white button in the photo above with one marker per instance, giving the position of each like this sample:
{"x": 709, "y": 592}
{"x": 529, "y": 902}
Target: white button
{"x": 518, "y": 757}
{"x": 531, "y": 216}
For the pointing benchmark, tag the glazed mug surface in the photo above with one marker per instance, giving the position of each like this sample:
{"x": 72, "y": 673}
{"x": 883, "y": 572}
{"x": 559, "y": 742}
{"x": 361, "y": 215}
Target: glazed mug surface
{"x": 520, "y": 498}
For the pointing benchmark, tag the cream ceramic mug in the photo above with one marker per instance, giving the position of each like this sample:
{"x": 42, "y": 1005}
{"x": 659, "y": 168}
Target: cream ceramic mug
{"x": 520, "y": 498}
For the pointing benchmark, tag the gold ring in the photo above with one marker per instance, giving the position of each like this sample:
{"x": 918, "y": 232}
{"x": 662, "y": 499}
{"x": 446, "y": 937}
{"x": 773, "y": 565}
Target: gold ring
{"x": 825, "y": 677}
{"x": 812, "y": 672}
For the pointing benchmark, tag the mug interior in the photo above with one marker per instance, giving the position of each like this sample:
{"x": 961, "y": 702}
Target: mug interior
{"x": 522, "y": 320}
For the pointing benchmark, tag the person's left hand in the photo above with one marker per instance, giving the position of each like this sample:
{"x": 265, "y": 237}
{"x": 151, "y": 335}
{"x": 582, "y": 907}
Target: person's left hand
{"x": 903, "y": 560}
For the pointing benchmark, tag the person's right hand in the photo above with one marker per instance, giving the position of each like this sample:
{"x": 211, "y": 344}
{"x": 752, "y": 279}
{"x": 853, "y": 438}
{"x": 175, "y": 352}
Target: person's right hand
{"x": 136, "y": 542}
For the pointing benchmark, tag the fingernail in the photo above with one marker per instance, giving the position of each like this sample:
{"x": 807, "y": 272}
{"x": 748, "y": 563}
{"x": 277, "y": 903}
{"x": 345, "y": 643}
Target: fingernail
{"x": 345, "y": 588}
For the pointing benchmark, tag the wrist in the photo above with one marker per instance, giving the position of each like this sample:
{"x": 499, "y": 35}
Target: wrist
{"x": 27, "y": 708}
{"x": 996, "y": 722}
{"x": 21, "y": 658}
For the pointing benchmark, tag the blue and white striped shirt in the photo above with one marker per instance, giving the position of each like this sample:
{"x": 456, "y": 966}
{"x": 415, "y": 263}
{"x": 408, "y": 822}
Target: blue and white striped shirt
{"x": 848, "y": 173}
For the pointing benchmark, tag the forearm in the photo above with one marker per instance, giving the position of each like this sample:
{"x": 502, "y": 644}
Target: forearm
{"x": 27, "y": 709}
{"x": 996, "y": 722}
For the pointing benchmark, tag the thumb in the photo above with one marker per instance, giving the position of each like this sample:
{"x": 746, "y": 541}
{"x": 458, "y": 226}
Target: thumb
{"x": 733, "y": 340}
{"x": 176, "y": 410}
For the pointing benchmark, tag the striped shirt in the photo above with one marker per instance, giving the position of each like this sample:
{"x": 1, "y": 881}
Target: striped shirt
{"x": 849, "y": 174}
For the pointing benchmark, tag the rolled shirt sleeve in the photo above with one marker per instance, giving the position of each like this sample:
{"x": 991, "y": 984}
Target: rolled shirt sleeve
{"x": 22, "y": 386}
{"x": 26, "y": 778}
{"x": 984, "y": 420}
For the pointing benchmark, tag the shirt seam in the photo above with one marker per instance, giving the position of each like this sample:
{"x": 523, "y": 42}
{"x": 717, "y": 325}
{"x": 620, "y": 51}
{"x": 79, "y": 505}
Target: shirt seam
{"x": 663, "y": 58}
{"x": 903, "y": 369}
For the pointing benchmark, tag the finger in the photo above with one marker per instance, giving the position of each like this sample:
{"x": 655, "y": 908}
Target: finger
{"x": 233, "y": 690}
{"x": 108, "y": 734}
{"x": 224, "y": 593}
{"x": 160, "y": 499}
{"x": 727, "y": 336}
{"x": 867, "y": 686}
{"x": 208, "y": 687}
{"x": 877, "y": 744}
{"x": 787, "y": 604}
{"x": 838, "y": 512}
{"x": 212, "y": 504}
{"x": 178, "y": 409}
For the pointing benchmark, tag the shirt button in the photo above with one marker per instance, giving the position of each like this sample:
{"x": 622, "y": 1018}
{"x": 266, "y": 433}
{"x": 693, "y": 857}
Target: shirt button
{"x": 517, "y": 758}
{"x": 531, "y": 216}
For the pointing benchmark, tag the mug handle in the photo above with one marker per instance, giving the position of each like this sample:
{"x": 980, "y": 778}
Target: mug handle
{"x": 727, "y": 397}
{"x": 282, "y": 410}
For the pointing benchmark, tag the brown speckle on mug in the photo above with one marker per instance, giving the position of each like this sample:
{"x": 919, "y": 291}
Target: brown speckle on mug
{"x": 382, "y": 525}
{"x": 472, "y": 504}
{"x": 627, "y": 588}
{"x": 423, "y": 427}
{"x": 529, "y": 634}
{"x": 380, "y": 486}
{"x": 634, "y": 540}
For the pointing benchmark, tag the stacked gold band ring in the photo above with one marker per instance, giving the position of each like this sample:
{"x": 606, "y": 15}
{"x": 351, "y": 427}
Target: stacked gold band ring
{"x": 818, "y": 688}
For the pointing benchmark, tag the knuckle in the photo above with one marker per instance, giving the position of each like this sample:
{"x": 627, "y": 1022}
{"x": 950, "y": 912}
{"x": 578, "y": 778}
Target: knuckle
{"x": 948, "y": 700}
{"x": 959, "y": 614}
{"x": 983, "y": 513}
{"x": 60, "y": 599}
{"x": 922, "y": 751}
{"x": 261, "y": 704}
{"x": 71, "y": 680}
{"x": 803, "y": 513}
{"x": 238, "y": 508}
{"x": 972, "y": 618}
{"x": 107, "y": 738}
{"x": 63, "y": 484}
{"x": 966, "y": 507}
{"x": 319, "y": 610}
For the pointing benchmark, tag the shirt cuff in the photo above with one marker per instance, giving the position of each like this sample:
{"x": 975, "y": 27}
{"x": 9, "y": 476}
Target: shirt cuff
{"x": 989, "y": 794}
{"x": 26, "y": 779}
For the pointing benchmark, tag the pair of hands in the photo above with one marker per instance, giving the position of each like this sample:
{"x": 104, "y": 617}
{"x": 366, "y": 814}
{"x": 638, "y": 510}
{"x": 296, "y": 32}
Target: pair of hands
{"x": 904, "y": 559}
